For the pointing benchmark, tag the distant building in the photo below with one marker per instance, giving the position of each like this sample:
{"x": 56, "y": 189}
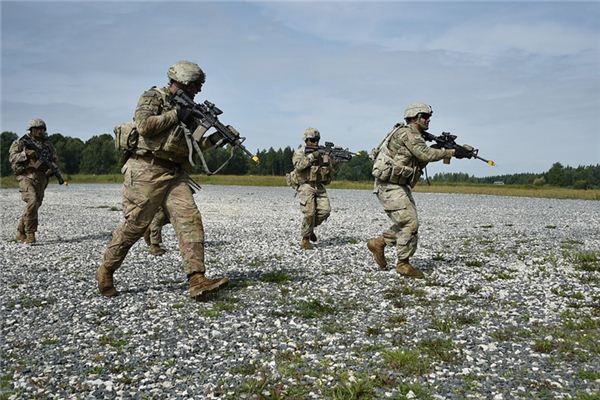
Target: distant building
{"x": 498, "y": 182}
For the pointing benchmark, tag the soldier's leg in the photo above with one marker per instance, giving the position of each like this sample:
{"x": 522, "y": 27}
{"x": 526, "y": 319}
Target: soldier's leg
{"x": 306, "y": 196}
{"x": 32, "y": 196}
{"x": 323, "y": 208}
{"x": 142, "y": 196}
{"x": 187, "y": 222}
{"x": 155, "y": 227}
{"x": 188, "y": 226}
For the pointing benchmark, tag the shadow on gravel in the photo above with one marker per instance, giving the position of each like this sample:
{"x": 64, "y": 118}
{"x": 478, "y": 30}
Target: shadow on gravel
{"x": 176, "y": 286}
{"x": 77, "y": 239}
{"x": 341, "y": 240}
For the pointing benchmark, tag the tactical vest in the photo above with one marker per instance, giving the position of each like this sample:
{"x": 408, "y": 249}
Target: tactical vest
{"x": 169, "y": 144}
{"x": 319, "y": 173}
{"x": 392, "y": 166}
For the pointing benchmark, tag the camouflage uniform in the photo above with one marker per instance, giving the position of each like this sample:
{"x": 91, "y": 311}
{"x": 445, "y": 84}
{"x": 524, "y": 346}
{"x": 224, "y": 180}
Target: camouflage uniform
{"x": 313, "y": 172}
{"x": 411, "y": 155}
{"x": 156, "y": 176}
{"x": 32, "y": 180}
{"x": 153, "y": 234}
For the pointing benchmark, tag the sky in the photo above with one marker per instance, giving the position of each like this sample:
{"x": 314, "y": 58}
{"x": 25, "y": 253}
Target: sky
{"x": 520, "y": 81}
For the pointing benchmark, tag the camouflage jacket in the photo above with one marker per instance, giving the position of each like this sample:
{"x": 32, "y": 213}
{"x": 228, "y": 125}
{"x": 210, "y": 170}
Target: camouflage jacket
{"x": 161, "y": 132}
{"x": 407, "y": 154}
{"x": 312, "y": 168}
{"x": 23, "y": 164}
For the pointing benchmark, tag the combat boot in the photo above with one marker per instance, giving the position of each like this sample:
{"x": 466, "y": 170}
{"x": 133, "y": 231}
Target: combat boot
{"x": 156, "y": 250}
{"x": 20, "y": 236}
{"x": 201, "y": 285}
{"x": 305, "y": 243}
{"x": 403, "y": 267}
{"x": 313, "y": 237}
{"x": 29, "y": 238}
{"x": 105, "y": 282}
{"x": 377, "y": 247}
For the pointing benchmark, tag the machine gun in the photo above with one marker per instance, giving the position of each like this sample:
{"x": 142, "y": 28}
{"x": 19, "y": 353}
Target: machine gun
{"x": 206, "y": 116}
{"x": 44, "y": 157}
{"x": 337, "y": 153}
{"x": 448, "y": 141}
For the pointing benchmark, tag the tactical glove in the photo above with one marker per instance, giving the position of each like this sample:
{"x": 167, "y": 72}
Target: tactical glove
{"x": 460, "y": 152}
{"x": 31, "y": 154}
{"x": 184, "y": 114}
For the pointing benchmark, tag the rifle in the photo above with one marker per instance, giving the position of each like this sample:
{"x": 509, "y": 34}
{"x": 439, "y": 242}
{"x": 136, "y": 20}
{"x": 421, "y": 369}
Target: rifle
{"x": 206, "y": 115}
{"x": 337, "y": 153}
{"x": 44, "y": 157}
{"x": 447, "y": 141}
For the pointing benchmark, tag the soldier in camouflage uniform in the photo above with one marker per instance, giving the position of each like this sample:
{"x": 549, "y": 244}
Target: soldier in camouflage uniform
{"x": 153, "y": 235}
{"x": 397, "y": 168}
{"x": 32, "y": 176}
{"x": 156, "y": 175}
{"x": 312, "y": 171}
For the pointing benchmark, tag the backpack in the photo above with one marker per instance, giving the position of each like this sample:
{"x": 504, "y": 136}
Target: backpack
{"x": 126, "y": 137}
{"x": 382, "y": 162}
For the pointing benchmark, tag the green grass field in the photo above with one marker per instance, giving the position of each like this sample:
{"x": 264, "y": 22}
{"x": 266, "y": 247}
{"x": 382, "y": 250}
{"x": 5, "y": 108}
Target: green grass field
{"x": 263, "y": 180}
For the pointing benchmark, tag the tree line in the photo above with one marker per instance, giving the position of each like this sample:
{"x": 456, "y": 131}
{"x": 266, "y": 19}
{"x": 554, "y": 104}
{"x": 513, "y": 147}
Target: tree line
{"x": 98, "y": 156}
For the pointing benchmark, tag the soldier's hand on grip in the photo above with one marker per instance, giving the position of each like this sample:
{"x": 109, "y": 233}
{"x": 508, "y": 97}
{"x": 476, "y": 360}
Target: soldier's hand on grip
{"x": 31, "y": 154}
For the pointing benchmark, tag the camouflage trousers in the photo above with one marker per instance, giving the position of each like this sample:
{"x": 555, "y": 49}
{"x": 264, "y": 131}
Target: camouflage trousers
{"x": 154, "y": 231}
{"x": 315, "y": 207}
{"x": 398, "y": 203}
{"x": 146, "y": 187}
{"x": 32, "y": 188}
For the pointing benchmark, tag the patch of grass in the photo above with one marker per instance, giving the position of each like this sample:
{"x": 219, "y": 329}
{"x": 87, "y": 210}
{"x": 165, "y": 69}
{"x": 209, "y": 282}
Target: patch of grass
{"x": 397, "y": 319}
{"x": 588, "y": 375}
{"x": 276, "y": 277}
{"x": 118, "y": 344}
{"x": 465, "y": 319}
{"x": 418, "y": 392}
{"x": 244, "y": 369}
{"x": 438, "y": 348}
{"x": 586, "y": 261}
{"x": 543, "y": 346}
{"x": 438, "y": 257}
{"x": 373, "y": 331}
{"x": 474, "y": 289}
{"x": 219, "y": 307}
{"x": 474, "y": 263}
{"x": 50, "y": 341}
{"x": 409, "y": 362}
{"x": 455, "y": 297}
{"x": 351, "y": 387}
{"x": 314, "y": 309}
{"x": 550, "y": 227}
{"x": 443, "y": 325}
{"x": 95, "y": 370}
{"x": 333, "y": 327}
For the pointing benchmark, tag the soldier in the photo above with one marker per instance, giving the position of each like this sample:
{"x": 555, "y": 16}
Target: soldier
{"x": 32, "y": 175}
{"x": 156, "y": 175}
{"x": 399, "y": 163}
{"x": 153, "y": 235}
{"x": 313, "y": 171}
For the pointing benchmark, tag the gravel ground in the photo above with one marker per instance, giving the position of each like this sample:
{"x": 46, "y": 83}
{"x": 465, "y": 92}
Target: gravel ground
{"x": 510, "y": 307}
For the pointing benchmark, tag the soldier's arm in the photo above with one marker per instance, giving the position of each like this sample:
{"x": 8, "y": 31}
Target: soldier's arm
{"x": 418, "y": 147}
{"x": 16, "y": 153}
{"x": 300, "y": 160}
{"x": 148, "y": 119}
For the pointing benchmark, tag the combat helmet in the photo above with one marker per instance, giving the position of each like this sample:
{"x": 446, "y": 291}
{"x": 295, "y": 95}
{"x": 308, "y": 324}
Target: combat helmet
{"x": 414, "y": 109}
{"x": 311, "y": 133}
{"x": 186, "y": 72}
{"x": 36, "y": 123}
